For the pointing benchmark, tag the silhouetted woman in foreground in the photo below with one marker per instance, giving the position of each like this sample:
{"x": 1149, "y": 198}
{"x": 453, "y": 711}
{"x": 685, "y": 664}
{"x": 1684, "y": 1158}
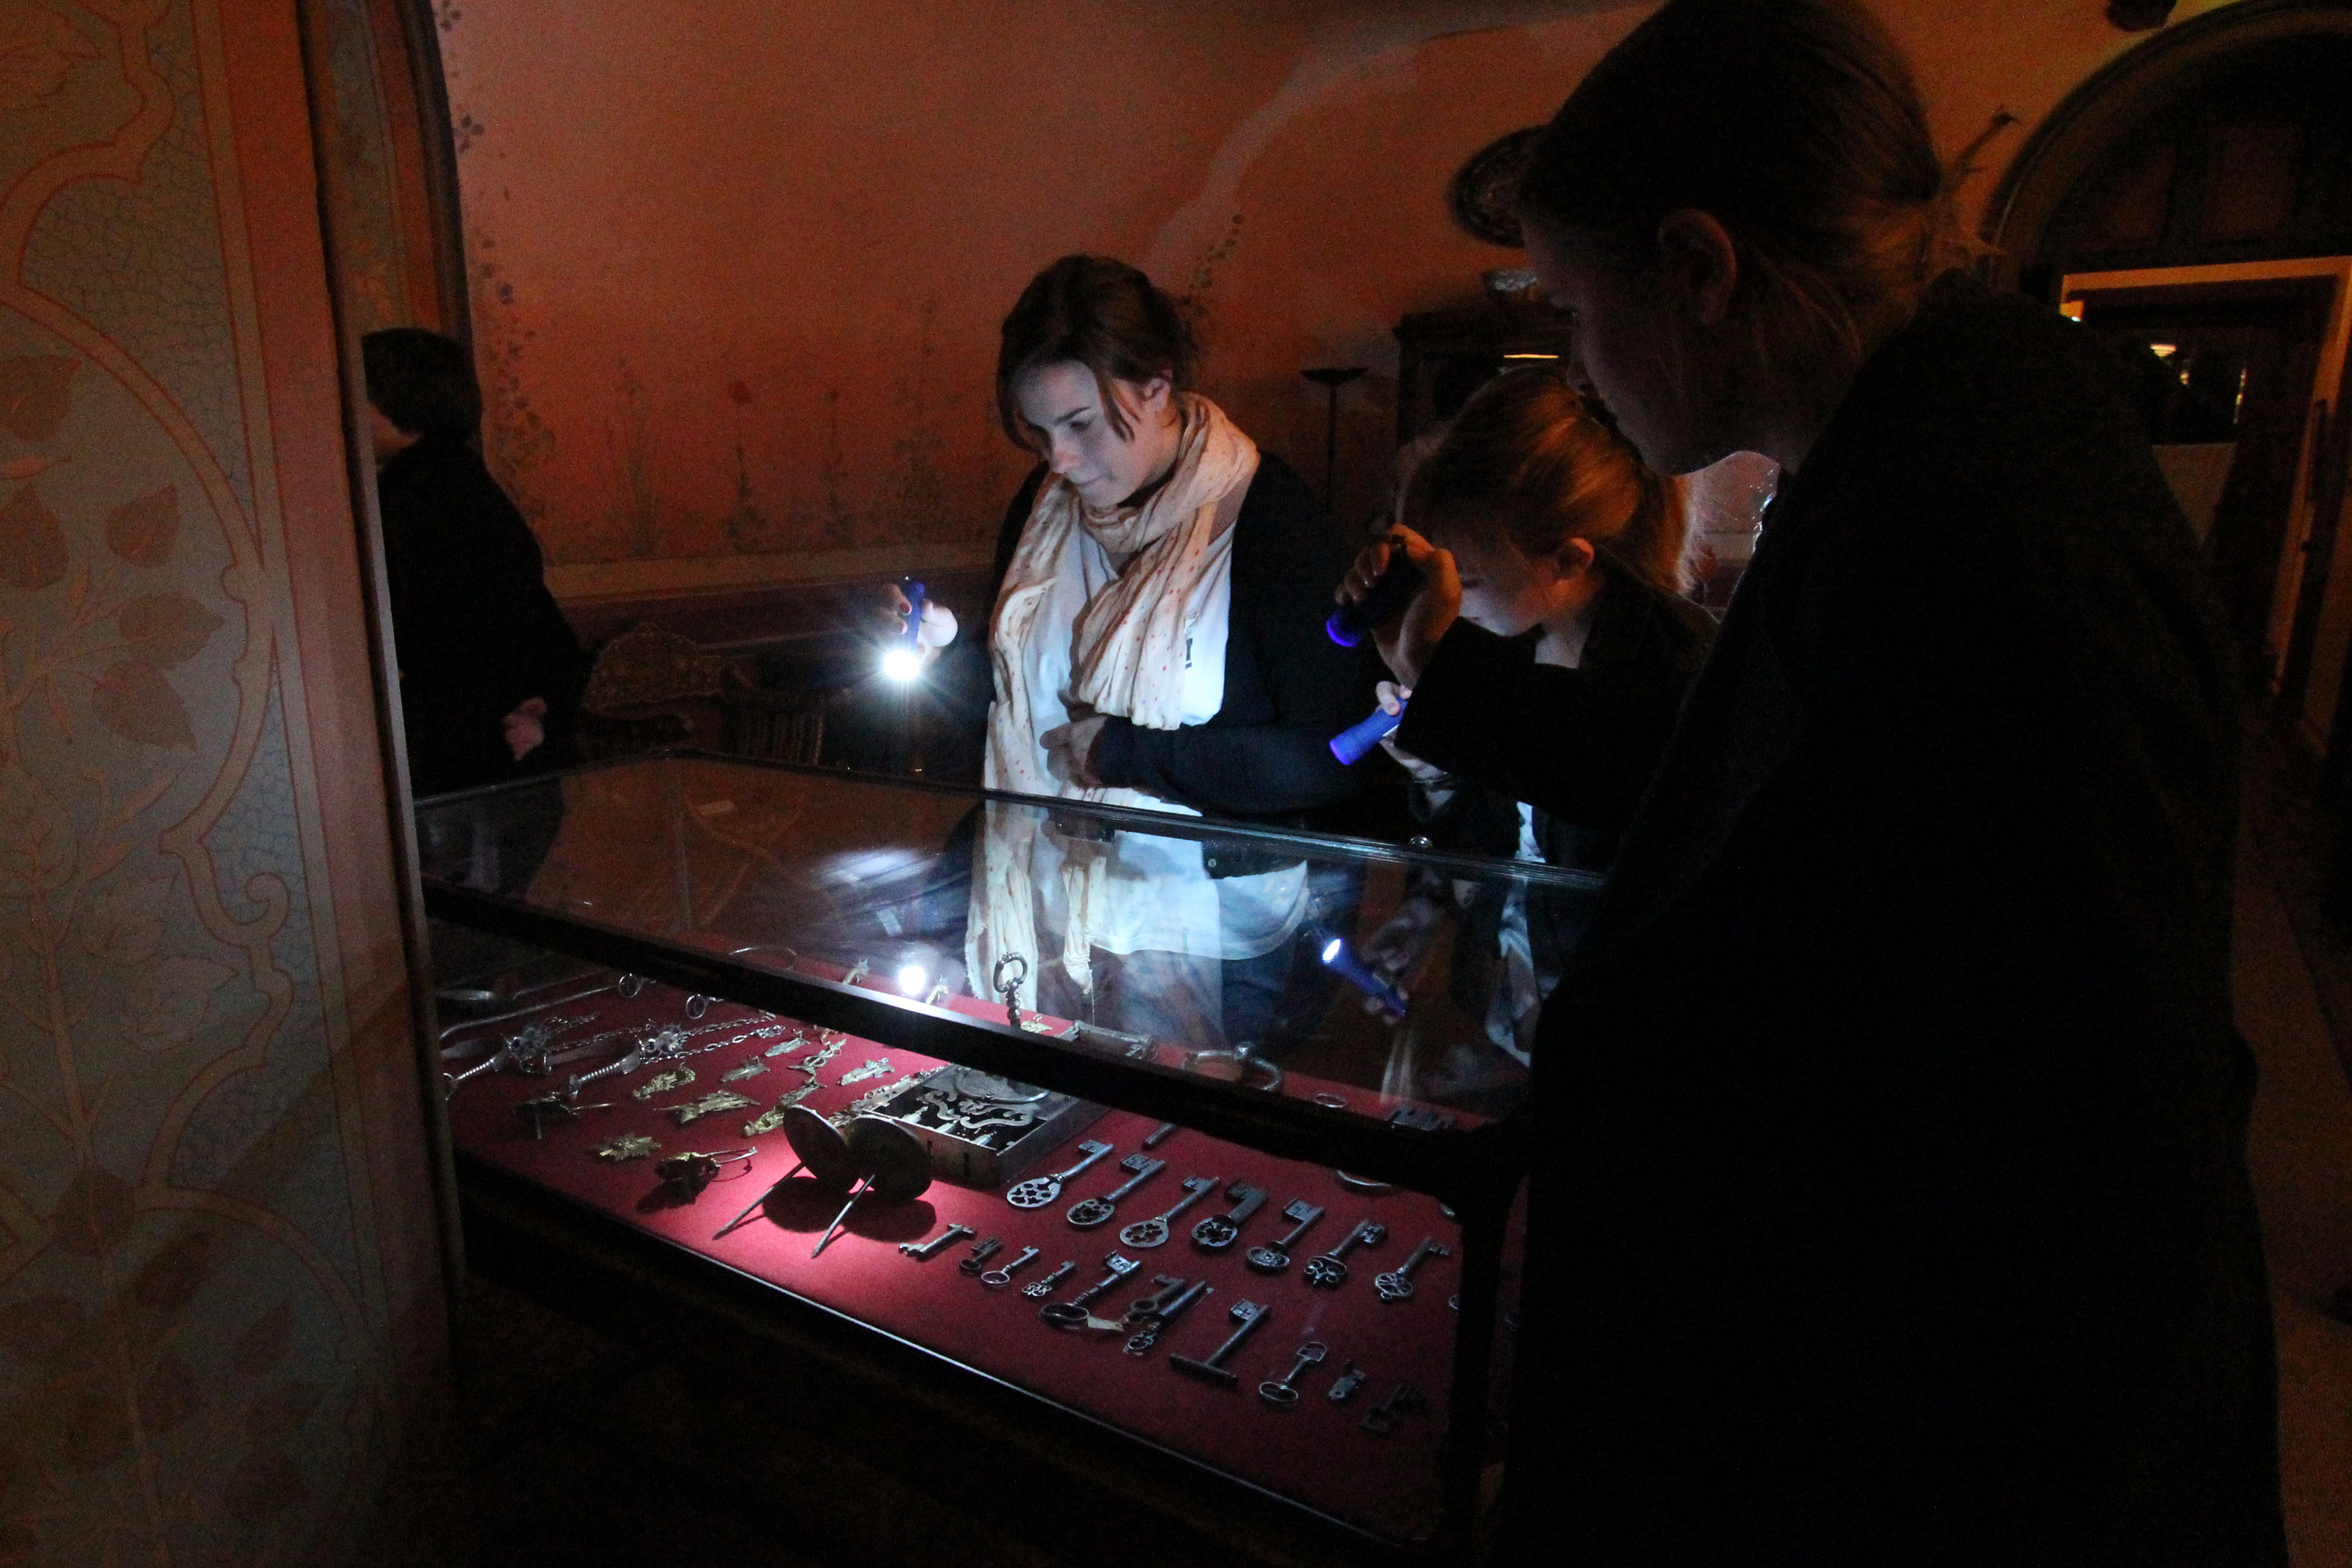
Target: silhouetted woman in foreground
{"x": 1894, "y": 1206}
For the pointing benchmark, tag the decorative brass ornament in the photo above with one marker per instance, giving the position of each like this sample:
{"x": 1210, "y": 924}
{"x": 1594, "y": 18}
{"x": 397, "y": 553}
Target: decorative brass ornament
{"x": 627, "y": 1146}
{"x": 663, "y": 1082}
{"x": 710, "y": 1104}
{"x": 773, "y": 1118}
{"x": 686, "y": 1174}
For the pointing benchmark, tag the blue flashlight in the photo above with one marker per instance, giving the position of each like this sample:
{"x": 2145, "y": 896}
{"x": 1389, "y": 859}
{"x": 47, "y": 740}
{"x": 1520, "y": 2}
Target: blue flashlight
{"x": 1354, "y": 744}
{"x": 1341, "y": 959}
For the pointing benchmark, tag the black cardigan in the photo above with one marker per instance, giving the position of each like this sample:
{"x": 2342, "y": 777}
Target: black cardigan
{"x": 1894, "y": 1204}
{"x": 1290, "y": 689}
{"x": 475, "y": 629}
{"x": 1578, "y": 744}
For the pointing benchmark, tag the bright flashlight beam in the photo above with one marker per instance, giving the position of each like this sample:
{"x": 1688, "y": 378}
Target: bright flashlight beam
{"x": 911, "y": 979}
{"x": 902, "y": 664}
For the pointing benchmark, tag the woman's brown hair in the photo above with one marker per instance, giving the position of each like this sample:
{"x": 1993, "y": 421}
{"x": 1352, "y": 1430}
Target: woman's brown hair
{"x": 1795, "y": 125}
{"x": 1103, "y": 314}
{"x": 1529, "y": 460}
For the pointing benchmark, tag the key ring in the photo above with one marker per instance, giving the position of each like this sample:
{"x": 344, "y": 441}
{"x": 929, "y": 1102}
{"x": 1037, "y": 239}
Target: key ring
{"x": 1010, "y": 990}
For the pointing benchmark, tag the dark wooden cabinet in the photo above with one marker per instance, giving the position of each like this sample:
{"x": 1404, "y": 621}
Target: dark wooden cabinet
{"x": 1445, "y": 355}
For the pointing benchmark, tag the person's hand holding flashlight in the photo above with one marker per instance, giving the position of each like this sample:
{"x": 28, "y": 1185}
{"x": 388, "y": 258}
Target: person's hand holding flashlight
{"x": 938, "y": 627}
{"x": 1407, "y": 639}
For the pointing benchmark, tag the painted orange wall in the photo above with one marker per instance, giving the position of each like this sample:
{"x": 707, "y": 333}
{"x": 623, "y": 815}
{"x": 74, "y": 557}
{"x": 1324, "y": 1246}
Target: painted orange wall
{"x": 738, "y": 267}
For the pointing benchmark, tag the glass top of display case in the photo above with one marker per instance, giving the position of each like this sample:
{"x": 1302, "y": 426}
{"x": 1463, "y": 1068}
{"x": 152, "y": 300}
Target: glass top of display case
{"x": 1290, "y": 989}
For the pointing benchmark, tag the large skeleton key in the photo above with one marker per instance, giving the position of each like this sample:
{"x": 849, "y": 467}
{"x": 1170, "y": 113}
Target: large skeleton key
{"x": 1396, "y": 1285}
{"x": 1038, "y": 1289}
{"x": 923, "y": 1252}
{"x": 1151, "y": 1325}
{"x": 1249, "y": 1315}
{"x": 1220, "y": 1231}
{"x": 1088, "y": 1212}
{"x": 1274, "y": 1257}
{"x": 1147, "y": 1234}
{"x": 1038, "y": 1191}
{"x": 1073, "y": 1313}
{"x": 1328, "y": 1271}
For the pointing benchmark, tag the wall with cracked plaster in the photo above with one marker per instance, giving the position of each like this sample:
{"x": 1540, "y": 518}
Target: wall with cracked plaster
{"x": 738, "y": 269}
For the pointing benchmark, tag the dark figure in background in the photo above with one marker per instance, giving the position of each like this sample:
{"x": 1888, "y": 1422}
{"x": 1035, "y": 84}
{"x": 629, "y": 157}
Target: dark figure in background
{"x": 1894, "y": 1206}
{"x": 490, "y": 672}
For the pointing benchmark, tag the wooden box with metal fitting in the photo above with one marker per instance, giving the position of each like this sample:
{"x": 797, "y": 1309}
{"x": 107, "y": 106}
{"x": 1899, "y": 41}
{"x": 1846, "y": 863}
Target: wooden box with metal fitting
{"x": 984, "y": 1130}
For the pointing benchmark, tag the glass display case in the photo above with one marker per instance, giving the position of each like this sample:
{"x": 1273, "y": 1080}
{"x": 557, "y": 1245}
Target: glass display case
{"x": 1210, "y": 1134}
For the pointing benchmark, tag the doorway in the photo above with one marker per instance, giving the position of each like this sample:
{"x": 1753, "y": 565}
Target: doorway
{"x": 2228, "y": 375}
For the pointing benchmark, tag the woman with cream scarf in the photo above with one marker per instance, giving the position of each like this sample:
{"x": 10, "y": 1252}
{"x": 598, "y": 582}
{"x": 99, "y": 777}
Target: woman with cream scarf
{"x": 1156, "y": 643}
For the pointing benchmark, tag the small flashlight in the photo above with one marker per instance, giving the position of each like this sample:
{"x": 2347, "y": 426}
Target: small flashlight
{"x": 1354, "y": 744}
{"x": 1338, "y": 957}
{"x": 904, "y": 661}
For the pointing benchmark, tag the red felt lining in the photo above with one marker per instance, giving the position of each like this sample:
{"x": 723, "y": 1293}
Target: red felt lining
{"x": 1316, "y": 1452}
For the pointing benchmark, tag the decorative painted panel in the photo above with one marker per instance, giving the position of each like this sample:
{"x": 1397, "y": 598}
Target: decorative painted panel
{"x": 219, "y": 1300}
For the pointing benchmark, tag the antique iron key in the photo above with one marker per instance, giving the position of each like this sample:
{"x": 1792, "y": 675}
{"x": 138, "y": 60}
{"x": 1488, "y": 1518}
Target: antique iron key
{"x": 1396, "y": 1285}
{"x": 1151, "y": 1325}
{"x": 1088, "y": 1212}
{"x": 1147, "y": 1234}
{"x": 997, "y": 1279}
{"x": 1073, "y": 1313}
{"x": 1248, "y": 1315}
{"x": 982, "y": 1251}
{"x": 1220, "y": 1231}
{"x": 1038, "y": 1289}
{"x": 1283, "y": 1393}
{"x": 1344, "y": 1389}
{"x": 1038, "y": 1191}
{"x": 1168, "y": 1287}
{"x": 1382, "y": 1418}
{"x": 1274, "y": 1257}
{"x": 924, "y": 1251}
{"x": 1328, "y": 1271}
